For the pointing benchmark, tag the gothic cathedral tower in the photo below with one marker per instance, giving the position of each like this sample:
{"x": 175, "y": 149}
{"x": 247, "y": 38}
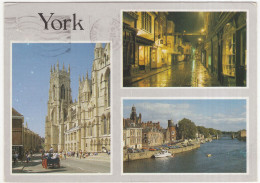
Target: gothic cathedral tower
{"x": 58, "y": 103}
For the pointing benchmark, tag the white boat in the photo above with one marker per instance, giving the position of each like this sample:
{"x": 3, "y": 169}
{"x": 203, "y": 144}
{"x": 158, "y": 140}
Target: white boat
{"x": 162, "y": 154}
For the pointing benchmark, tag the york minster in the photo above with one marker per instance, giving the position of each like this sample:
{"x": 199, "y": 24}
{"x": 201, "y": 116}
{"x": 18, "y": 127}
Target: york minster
{"x": 82, "y": 124}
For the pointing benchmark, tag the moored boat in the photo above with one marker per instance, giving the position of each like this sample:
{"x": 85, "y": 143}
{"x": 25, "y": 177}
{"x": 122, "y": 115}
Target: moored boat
{"x": 162, "y": 154}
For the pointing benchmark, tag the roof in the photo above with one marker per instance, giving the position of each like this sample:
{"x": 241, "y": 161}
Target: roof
{"x": 15, "y": 113}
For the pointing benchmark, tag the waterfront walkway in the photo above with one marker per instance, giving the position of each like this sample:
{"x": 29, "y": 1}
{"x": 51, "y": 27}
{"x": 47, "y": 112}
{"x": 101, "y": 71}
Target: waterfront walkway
{"x": 149, "y": 154}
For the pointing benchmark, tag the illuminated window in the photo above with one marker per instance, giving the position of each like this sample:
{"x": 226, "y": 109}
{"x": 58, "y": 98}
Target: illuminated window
{"x": 146, "y": 22}
{"x": 229, "y": 50}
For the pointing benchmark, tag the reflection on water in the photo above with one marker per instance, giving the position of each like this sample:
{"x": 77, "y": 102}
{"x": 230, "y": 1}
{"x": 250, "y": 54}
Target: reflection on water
{"x": 187, "y": 74}
{"x": 228, "y": 156}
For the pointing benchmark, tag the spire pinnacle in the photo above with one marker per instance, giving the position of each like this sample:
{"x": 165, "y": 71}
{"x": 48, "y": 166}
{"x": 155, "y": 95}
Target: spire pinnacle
{"x": 54, "y": 67}
{"x": 87, "y": 75}
{"x": 51, "y": 68}
{"x": 83, "y": 77}
{"x": 69, "y": 68}
{"x": 58, "y": 65}
{"x": 63, "y": 68}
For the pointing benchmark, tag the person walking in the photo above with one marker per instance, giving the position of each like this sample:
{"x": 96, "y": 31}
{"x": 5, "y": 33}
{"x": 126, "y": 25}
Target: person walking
{"x": 64, "y": 154}
{"x": 27, "y": 157}
{"x": 80, "y": 154}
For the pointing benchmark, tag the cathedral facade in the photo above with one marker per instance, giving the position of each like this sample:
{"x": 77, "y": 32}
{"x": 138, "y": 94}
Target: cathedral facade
{"x": 85, "y": 123}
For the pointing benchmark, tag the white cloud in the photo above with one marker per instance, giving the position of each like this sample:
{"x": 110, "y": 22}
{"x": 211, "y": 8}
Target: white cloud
{"x": 163, "y": 112}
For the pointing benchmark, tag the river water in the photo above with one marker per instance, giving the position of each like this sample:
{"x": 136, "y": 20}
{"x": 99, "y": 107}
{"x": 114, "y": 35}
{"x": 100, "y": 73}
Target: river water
{"x": 228, "y": 156}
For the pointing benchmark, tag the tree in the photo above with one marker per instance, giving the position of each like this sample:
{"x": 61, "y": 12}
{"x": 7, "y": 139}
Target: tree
{"x": 204, "y": 131}
{"x": 219, "y": 132}
{"x": 212, "y": 131}
{"x": 187, "y": 129}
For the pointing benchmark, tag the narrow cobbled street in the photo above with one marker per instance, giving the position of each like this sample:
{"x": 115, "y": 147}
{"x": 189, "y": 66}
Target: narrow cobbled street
{"x": 185, "y": 74}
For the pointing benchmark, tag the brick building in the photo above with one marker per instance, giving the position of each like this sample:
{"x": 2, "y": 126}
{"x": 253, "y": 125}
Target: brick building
{"x": 23, "y": 139}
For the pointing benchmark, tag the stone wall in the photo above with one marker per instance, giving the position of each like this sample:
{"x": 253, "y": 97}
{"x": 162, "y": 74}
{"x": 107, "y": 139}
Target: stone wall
{"x": 149, "y": 154}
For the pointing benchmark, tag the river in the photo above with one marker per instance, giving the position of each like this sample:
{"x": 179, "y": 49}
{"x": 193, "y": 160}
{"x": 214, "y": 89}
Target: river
{"x": 228, "y": 156}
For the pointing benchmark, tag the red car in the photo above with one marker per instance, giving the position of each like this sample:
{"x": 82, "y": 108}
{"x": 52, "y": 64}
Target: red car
{"x": 152, "y": 149}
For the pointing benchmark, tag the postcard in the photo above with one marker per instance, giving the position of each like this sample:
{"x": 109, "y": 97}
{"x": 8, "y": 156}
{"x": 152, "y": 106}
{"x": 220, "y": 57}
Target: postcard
{"x": 130, "y": 92}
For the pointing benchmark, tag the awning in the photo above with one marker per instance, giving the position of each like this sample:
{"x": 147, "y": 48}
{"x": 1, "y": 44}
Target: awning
{"x": 144, "y": 41}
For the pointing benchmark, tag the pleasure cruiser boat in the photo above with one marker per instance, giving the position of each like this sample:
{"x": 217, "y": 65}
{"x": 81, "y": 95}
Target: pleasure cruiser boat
{"x": 162, "y": 154}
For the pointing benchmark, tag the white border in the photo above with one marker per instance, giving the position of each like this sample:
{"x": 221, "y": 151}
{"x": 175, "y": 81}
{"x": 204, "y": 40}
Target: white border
{"x": 188, "y": 10}
{"x": 111, "y": 108}
{"x": 187, "y": 98}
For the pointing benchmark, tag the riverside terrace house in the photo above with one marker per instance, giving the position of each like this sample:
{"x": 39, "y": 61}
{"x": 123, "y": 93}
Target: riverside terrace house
{"x": 132, "y": 137}
{"x": 23, "y": 139}
{"x": 223, "y": 49}
{"x": 148, "y": 42}
{"x": 138, "y": 135}
{"x": 152, "y": 137}
{"x": 170, "y": 134}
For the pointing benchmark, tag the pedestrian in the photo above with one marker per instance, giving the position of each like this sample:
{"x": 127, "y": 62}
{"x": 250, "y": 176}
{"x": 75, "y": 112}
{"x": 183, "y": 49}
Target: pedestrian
{"x": 80, "y": 154}
{"x": 14, "y": 158}
{"x": 27, "y": 157}
{"x": 77, "y": 154}
{"x": 51, "y": 150}
{"x": 64, "y": 153}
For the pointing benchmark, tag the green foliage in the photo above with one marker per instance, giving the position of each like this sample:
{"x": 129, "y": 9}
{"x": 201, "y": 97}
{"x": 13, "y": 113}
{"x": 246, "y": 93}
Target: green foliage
{"x": 219, "y": 132}
{"x": 187, "y": 129}
{"x": 204, "y": 131}
{"x": 212, "y": 131}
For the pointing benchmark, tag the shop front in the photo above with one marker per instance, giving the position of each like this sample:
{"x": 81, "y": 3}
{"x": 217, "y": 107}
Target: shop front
{"x": 228, "y": 54}
{"x": 143, "y": 54}
{"x": 129, "y": 36}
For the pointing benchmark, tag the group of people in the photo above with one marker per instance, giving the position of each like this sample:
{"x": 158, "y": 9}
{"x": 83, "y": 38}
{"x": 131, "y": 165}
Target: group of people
{"x": 63, "y": 154}
{"x": 51, "y": 154}
{"x": 78, "y": 154}
{"x": 27, "y": 154}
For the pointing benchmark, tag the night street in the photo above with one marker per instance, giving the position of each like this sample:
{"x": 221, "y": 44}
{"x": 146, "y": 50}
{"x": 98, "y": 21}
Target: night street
{"x": 156, "y": 41}
{"x": 92, "y": 164}
{"x": 185, "y": 74}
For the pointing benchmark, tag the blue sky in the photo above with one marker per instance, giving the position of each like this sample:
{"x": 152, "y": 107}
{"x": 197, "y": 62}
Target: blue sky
{"x": 31, "y": 65}
{"x": 222, "y": 114}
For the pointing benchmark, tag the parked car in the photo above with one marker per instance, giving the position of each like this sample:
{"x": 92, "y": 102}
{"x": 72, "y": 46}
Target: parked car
{"x": 152, "y": 149}
{"x": 137, "y": 150}
{"x": 130, "y": 150}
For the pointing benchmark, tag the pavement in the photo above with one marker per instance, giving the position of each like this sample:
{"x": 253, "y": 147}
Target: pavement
{"x": 91, "y": 164}
{"x": 180, "y": 74}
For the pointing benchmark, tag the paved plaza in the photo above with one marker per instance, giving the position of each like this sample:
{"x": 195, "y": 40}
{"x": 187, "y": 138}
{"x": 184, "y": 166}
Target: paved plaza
{"x": 91, "y": 164}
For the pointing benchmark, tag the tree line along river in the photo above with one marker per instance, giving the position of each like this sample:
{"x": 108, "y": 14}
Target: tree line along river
{"x": 228, "y": 156}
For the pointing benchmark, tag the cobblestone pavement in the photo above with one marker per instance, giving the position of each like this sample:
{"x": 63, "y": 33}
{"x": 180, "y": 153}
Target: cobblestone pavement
{"x": 182, "y": 74}
{"x": 91, "y": 164}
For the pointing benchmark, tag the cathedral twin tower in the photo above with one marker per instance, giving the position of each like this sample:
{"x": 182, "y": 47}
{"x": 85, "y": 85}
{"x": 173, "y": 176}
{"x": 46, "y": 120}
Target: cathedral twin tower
{"x": 83, "y": 124}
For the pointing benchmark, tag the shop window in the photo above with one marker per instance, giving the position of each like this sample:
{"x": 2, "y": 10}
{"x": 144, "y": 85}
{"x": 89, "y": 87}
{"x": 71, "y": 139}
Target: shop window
{"x": 229, "y": 50}
{"x": 243, "y": 47}
{"x": 141, "y": 55}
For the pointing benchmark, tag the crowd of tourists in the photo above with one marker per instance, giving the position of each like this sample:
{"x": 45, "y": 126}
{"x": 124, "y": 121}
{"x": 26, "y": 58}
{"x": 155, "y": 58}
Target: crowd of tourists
{"x": 23, "y": 157}
{"x": 64, "y": 154}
